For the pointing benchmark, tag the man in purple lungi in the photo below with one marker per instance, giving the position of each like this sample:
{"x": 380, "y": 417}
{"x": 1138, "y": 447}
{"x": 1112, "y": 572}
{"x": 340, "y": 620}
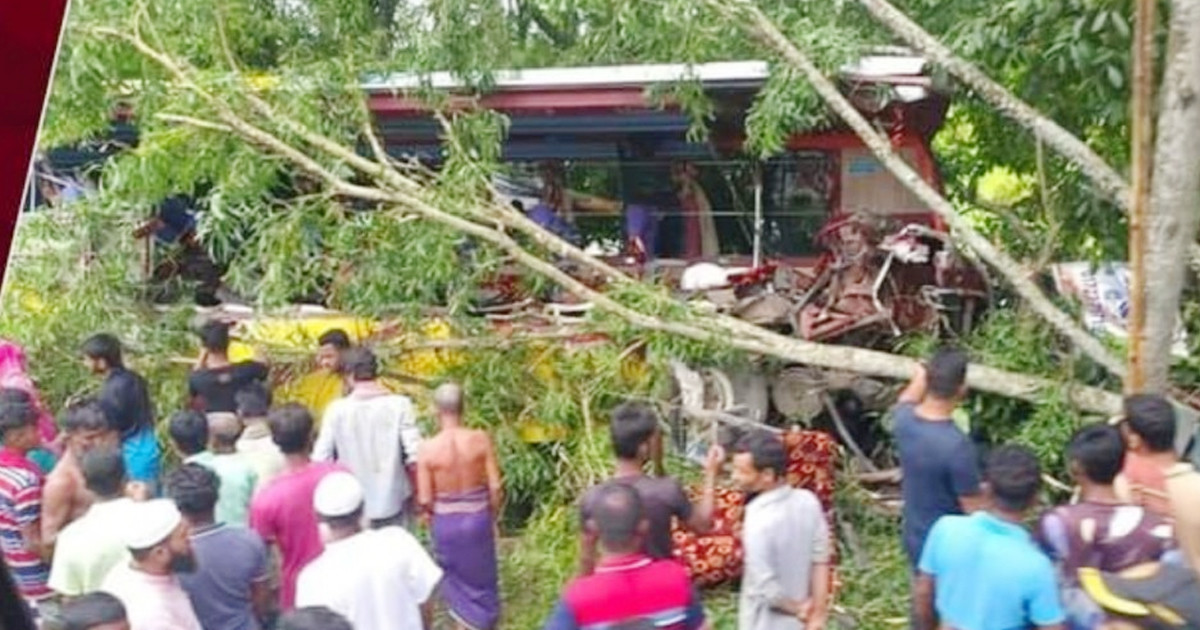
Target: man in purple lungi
{"x": 458, "y": 489}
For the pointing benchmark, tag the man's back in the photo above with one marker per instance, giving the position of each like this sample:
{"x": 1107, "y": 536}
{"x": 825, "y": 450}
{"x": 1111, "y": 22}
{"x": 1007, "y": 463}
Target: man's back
{"x": 65, "y": 497}
{"x": 989, "y": 575}
{"x": 627, "y": 591}
{"x": 457, "y": 460}
{"x": 1105, "y": 536}
{"x": 238, "y": 481}
{"x": 939, "y": 466}
{"x": 367, "y": 435}
{"x": 662, "y": 498}
{"x": 216, "y": 388}
{"x": 282, "y": 513}
{"x": 229, "y": 561}
{"x": 90, "y": 547}
{"x": 377, "y": 579}
{"x": 126, "y": 401}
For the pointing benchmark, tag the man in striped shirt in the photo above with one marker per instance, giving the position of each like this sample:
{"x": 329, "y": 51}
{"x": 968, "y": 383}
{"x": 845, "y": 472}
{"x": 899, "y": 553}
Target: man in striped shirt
{"x": 21, "y": 497}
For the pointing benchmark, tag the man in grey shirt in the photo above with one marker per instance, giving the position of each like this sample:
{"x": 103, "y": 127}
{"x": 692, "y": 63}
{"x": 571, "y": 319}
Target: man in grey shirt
{"x": 785, "y": 584}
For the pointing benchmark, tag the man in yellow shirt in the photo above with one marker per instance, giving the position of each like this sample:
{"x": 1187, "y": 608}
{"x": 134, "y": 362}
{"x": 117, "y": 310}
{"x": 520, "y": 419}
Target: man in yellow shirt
{"x": 325, "y": 384}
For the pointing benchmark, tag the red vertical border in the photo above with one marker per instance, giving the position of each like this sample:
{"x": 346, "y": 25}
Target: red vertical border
{"x": 29, "y": 33}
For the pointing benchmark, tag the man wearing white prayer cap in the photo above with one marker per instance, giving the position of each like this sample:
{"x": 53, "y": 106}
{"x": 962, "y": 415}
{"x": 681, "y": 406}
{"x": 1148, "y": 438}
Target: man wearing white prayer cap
{"x": 378, "y": 579}
{"x": 157, "y": 538}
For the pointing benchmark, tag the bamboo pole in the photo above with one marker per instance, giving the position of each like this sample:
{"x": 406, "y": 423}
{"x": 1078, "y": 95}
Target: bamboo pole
{"x": 1142, "y": 138}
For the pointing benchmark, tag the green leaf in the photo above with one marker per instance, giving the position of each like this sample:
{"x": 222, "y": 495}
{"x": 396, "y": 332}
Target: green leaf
{"x": 1115, "y": 77}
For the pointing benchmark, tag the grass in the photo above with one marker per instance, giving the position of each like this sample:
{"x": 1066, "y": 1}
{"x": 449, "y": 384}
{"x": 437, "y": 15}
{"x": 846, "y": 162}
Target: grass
{"x": 874, "y": 596}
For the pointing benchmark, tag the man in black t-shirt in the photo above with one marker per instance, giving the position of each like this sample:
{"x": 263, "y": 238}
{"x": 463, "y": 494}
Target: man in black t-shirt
{"x": 216, "y": 381}
{"x": 634, "y": 428}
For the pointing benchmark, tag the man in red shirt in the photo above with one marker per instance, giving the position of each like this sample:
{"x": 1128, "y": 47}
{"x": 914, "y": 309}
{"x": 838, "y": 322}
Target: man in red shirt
{"x": 628, "y": 589}
{"x": 282, "y": 510}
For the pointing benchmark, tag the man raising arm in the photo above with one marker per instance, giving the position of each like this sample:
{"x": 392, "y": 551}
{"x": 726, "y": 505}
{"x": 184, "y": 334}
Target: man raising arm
{"x": 635, "y": 431}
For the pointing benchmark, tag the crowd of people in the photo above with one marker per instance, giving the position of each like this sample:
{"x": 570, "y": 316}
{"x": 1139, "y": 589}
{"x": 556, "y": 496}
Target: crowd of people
{"x": 303, "y": 515}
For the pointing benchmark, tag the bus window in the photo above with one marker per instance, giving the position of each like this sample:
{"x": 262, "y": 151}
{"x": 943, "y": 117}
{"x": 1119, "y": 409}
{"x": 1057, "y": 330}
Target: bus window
{"x": 798, "y": 192}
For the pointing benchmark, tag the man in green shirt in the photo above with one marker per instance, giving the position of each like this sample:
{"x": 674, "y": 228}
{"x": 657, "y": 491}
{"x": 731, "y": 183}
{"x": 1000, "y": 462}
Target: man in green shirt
{"x": 211, "y": 442}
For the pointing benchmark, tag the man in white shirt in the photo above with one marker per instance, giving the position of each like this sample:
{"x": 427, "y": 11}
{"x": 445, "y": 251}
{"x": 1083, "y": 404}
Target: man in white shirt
{"x": 255, "y": 444}
{"x": 785, "y": 585}
{"x": 92, "y": 545}
{"x": 374, "y": 434}
{"x": 380, "y": 579}
{"x": 157, "y": 538}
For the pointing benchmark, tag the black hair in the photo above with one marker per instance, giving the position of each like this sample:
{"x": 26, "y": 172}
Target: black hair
{"x": 1015, "y": 477}
{"x": 617, "y": 512}
{"x": 1152, "y": 418}
{"x": 946, "y": 372}
{"x": 103, "y": 471}
{"x": 336, "y": 338}
{"x": 189, "y": 431}
{"x": 16, "y": 410}
{"x": 313, "y": 618}
{"x": 253, "y": 400}
{"x": 214, "y": 335}
{"x": 105, "y": 347}
{"x": 766, "y": 452}
{"x": 1100, "y": 452}
{"x": 194, "y": 489}
{"x": 632, "y": 425}
{"x": 85, "y": 415}
{"x": 90, "y": 610}
{"x": 360, "y": 364}
{"x": 291, "y": 428}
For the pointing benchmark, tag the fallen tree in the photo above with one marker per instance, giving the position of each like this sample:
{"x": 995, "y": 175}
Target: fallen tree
{"x": 404, "y": 193}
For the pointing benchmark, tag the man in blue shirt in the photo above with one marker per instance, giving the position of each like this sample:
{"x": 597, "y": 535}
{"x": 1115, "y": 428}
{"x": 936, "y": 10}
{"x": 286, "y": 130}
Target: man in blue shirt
{"x": 939, "y": 464}
{"x": 983, "y": 571}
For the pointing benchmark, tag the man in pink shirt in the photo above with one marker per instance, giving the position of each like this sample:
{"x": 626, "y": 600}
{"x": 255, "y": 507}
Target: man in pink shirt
{"x": 282, "y": 510}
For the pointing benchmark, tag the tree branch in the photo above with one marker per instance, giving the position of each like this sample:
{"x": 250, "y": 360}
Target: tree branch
{"x": 762, "y": 28}
{"x": 1046, "y": 130}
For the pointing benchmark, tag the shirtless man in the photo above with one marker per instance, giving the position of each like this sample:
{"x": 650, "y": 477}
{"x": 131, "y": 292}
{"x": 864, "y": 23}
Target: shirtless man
{"x": 459, "y": 494}
{"x": 65, "y": 496}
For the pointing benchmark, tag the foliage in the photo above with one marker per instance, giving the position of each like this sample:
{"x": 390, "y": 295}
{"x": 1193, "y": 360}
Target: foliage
{"x": 1071, "y": 61}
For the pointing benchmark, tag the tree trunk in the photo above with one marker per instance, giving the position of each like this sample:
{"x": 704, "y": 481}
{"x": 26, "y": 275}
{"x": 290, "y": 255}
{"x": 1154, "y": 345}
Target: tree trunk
{"x": 1048, "y": 131}
{"x": 1175, "y": 191}
{"x": 761, "y": 27}
{"x": 1142, "y": 139}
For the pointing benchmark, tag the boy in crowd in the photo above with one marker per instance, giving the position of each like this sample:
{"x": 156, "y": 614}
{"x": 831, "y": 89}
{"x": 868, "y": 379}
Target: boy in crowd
{"x": 983, "y": 571}
{"x": 1100, "y": 531}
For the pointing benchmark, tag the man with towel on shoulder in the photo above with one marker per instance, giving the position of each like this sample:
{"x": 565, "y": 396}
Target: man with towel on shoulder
{"x": 157, "y": 538}
{"x": 379, "y": 579}
{"x": 458, "y": 488}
